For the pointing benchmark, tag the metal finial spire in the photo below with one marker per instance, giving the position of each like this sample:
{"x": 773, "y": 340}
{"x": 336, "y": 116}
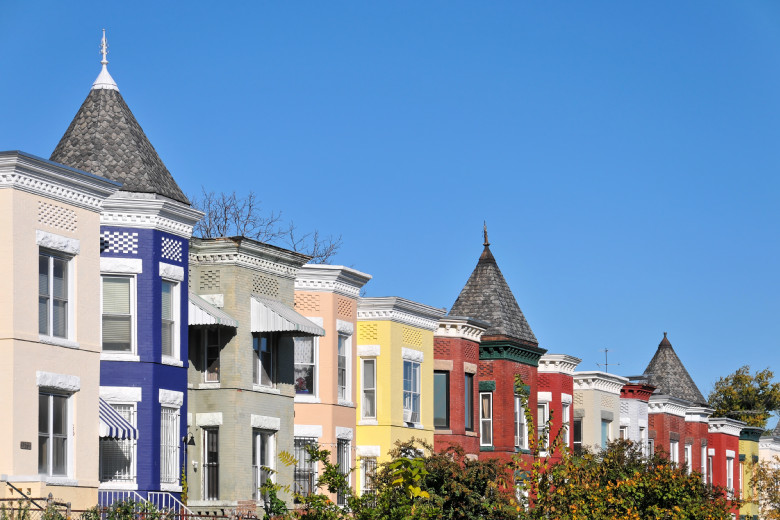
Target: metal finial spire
{"x": 484, "y": 232}
{"x": 104, "y": 48}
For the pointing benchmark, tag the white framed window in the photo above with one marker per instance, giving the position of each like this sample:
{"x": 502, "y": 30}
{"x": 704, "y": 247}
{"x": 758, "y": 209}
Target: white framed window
{"x": 262, "y": 458}
{"x": 623, "y": 433}
{"x": 688, "y": 458}
{"x": 709, "y": 469}
{"x": 577, "y": 436}
{"x": 264, "y": 361}
{"x": 342, "y": 375}
{"x": 367, "y": 473}
{"x": 169, "y": 445}
{"x": 118, "y": 456}
{"x": 486, "y": 418}
{"x": 411, "y": 391}
{"x": 211, "y": 463}
{"x": 305, "y": 471}
{"x": 730, "y": 474}
{"x": 368, "y": 403}
{"x": 643, "y": 440}
{"x": 305, "y": 365}
{"x": 605, "y": 434}
{"x": 118, "y": 313}
{"x": 211, "y": 351}
{"x": 170, "y": 319}
{"x": 704, "y": 463}
{"x": 53, "y": 434}
{"x": 343, "y": 461}
{"x": 565, "y": 420}
{"x": 542, "y": 416}
{"x": 521, "y": 428}
{"x": 650, "y": 447}
{"x": 674, "y": 451}
{"x": 54, "y": 295}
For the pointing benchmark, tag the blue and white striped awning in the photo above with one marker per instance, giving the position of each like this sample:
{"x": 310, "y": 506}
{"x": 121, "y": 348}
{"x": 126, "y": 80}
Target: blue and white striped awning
{"x": 113, "y": 425}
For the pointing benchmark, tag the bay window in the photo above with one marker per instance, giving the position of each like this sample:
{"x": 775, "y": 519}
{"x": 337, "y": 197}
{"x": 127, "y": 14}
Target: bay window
{"x": 368, "y": 406}
{"x": 53, "y": 427}
{"x": 468, "y": 401}
{"x": 342, "y": 368}
{"x": 263, "y": 362}
{"x": 486, "y": 419}
{"x": 169, "y": 318}
{"x": 411, "y": 392}
{"x": 169, "y": 445}
{"x": 117, "y": 315}
{"x": 520, "y": 424}
{"x": 305, "y": 365}
{"x": 117, "y": 456}
{"x": 53, "y": 295}
{"x": 441, "y": 400}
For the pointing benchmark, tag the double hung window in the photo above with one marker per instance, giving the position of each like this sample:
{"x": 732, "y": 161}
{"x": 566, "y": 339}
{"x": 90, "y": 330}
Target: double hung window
{"x": 170, "y": 315}
{"x": 688, "y": 458}
{"x": 262, "y": 459}
{"x": 305, "y": 365}
{"x": 305, "y": 472}
{"x": 368, "y": 405}
{"x": 169, "y": 445}
{"x": 520, "y": 424}
{"x": 211, "y": 350}
{"x": 441, "y": 400}
{"x": 704, "y": 463}
{"x": 577, "y": 436}
{"x": 343, "y": 462}
{"x": 342, "y": 368}
{"x": 468, "y": 400}
{"x": 53, "y": 304}
{"x": 565, "y": 420}
{"x": 264, "y": 348}
{"x": 211, "y": 463}
{"x": 53, "y": 426}
{"x": 118, "y": 308}
{"x": 411, "y": 391}
{"x": 542, "y": 415}
{"x": 486, "y": 419}
{"x": 605, "y": 425}
{"x": 368, "y": 470}
{"x": 118, "y": 456}
{"x": 674, "y": 451}
{"x": 730, "y": 475}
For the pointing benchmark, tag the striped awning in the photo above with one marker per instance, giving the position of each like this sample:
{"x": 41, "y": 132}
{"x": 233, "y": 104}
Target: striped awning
{"x": 202, "y": 312}
{"x": 113, "y": 425}
{"x": 274, "y": 316}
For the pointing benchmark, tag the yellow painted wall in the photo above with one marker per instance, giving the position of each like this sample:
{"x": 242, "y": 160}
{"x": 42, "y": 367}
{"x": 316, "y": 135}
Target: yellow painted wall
{"x": 749, "y": 449}
{"x": 392, "y": 338}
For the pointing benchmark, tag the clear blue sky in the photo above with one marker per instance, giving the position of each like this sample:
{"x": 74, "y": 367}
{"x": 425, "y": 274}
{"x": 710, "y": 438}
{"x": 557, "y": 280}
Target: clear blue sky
{"x": 624, "y": 155}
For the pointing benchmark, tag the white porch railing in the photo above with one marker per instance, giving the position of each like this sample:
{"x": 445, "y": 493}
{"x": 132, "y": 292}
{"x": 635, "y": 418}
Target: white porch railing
{"x": 164, "y": 501}
{"x": 106, "y": 497}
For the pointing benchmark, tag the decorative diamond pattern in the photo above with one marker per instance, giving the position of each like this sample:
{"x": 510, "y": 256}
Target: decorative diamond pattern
{"x": 171, "y": 249}
{"x": 119, "y": 242}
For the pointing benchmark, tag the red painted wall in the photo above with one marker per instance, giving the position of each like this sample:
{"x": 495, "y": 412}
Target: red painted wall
{"x": 458, "y": 351}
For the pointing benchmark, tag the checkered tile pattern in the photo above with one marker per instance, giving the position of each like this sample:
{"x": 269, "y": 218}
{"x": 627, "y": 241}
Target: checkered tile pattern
{"x": 171, "y": 249}
{"x": 119, "y": 242}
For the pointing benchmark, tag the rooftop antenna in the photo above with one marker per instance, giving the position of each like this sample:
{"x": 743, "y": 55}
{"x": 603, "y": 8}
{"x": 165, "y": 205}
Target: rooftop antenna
{"x": 606, "y": 361}
{"x": 104, "y": 49}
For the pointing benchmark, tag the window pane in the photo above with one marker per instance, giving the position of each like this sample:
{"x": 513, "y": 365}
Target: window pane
{"x": 486, "y": 411}
{"x": 60, "y": 318}
{"x": 60, "y": 415}
{"x": 441, "y": 397}
{"x": 469, "y": 402}
{"x": 304, "y": 350}
{"x": 43, "y": 413}
{"x": 368, "y": 374}
{"x": 167, "y": 338}
{"x": 116, "y": 295}
{"x": 116, "y": 333}
{"x": 167, "y": 313}
{"x": 43, "y": 454}
{"x": 369, "y": 403}
{"x": 60, "y": 278}
{"x": 60, "y": 456}
{"x": 266, "y": 362}
{"x": 43, "y": 275}
{"x": 304, "y": 379}
{"x": 43, "y": 315}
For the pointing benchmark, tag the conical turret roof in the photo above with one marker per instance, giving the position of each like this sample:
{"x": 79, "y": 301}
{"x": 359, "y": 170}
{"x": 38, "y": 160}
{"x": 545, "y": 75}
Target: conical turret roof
{"x": 105, "y": 139}
{"x": 667, "y": 373}
{"x": 487, "y": 297}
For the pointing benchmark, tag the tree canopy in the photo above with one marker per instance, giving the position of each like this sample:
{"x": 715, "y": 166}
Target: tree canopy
{"x": 745, "y": 397}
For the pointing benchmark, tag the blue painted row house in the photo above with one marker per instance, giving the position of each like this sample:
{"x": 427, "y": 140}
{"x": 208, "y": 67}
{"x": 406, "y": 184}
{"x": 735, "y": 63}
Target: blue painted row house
{"x": 144, "y": 235}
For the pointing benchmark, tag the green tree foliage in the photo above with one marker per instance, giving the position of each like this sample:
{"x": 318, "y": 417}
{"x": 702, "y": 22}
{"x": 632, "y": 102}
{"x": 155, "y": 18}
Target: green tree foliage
{"x": 746, "y": 397}
{"x": 766, "y": 482}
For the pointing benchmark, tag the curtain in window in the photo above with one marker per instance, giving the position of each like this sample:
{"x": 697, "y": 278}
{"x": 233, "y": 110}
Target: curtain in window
{"x": 304, "y": 365}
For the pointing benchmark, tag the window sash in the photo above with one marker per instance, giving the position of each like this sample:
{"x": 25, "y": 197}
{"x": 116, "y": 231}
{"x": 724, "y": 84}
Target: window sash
{"x": 368, "y": 471}
{"x": 441, "y": 400}
{"x": 542, "y": 416}
{"x": 263, "y": 364}
{"x": 117, "y": 313}
{"x": 118, "y": 456}
{"x": 169, "y": 445}
{"x": 368, "y": 407}
{"x": 211, "y": 351}
{"x": 343, "y": 463}
{"x": 412, "y": 390}
{"x": 469, "y": 402}
{"x": 53, "y": 290}
{"x": 261, "y": 459}
{"x": 305, "y": 365}
{"x": 486, "y": 419}
{"x": 53, "y": 426}
{"x": 520, "y": 424}
{"x": 305, "y": 471}
{"x": 169, "y": 315}
{"x": 342, "y": 367}
{"x": 211, "y": 463}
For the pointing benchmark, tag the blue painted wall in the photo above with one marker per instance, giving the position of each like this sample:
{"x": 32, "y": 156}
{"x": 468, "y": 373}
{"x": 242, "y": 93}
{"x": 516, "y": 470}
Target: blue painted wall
{"x": 150, "y": 374}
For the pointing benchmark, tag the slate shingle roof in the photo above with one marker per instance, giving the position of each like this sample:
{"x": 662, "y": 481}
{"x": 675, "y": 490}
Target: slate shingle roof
{"x": 487, "y": 297}
{"x": 667, "y": 373}
{"x": 105, "y": 139}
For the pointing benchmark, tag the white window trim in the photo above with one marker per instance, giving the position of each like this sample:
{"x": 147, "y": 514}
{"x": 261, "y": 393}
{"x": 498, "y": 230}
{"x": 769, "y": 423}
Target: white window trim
{"x": 170, "y": 404}
{"x": 70, "y": 258}
{"x": 363, "y": 415}
{"x": 483, "y": 419}
{"x": 674, "y": 451}
{"x": 566, "y": 421}
{"x": 65, "y": 479}
{"x": 314, "y": 397}
{"x": 133, "y": 354}
{"x": 174, "y": 359}
{"x": 124, "y": 484}
{"x": 540, "y": 427}
{"x": 520, "y": 411}
{"x": 348, "y": 375}
{"x": 415, "y": 424}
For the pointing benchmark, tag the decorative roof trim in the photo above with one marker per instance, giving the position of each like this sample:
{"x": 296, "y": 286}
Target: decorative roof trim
{"x": 247, "y": 253}
{"x": 700, "y": 414}
{"x": 399, "y": 310}
{"x": 668, "y": 405}
{"x": 149, "y": 211}
{"x": 510, "y": 350}
{"x": 558, "y": 363}
{"x": 726, "y": 426}
{"x": 25, "y": 172}
{"x": 331, "y": 278}
{"x": 638, "y": 391}
{"x": 596, "y": 380}
{"x": 461, "y": 327}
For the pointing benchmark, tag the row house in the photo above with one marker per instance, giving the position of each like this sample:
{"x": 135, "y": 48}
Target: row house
{"x": 396, "y": 369}
{"x": 243, "y": 371}
{"x": 51, "y": 347}
{"x": 143, "y": 238}
{"x": 555, "y": 398}
{"x": 749, "y": 439}
{"x": 634, "y": 409}
{"x": 326, "y": 386}
{"x": 597, "y": 405}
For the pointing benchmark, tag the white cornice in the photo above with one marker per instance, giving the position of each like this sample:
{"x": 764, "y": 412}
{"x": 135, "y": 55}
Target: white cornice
{"x": 595, "y": 380}
{"x": 399, "y": 310}
{"x": 149, "y": 211}
{"x": 667, "y": 404}
{"x": 331, "y": 278}
{"x": 558, "y": 363}
{"x": 25, "y": 172}
{"x": 460, "y": 327}
{"x": 247, "y": 253}
{"x": 769, "y": 443}
{"x": 726, "y": 426}
{"x": 700, "y": 414}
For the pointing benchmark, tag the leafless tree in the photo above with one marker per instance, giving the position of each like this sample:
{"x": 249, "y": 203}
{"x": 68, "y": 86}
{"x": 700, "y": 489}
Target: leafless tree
{"x": 229, "y": 214}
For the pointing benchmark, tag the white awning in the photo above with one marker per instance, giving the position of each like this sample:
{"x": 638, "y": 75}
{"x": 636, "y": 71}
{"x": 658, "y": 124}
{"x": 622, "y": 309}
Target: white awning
{"x": 202, "y": 312}
{"x": 274, "y": 316}
{"x": 113, "y": 425}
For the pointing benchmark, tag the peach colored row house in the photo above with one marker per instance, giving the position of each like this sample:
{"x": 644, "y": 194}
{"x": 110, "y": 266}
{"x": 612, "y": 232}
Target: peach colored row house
{"x": 325, "y": 368}
{"x": 50, "y": 328}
